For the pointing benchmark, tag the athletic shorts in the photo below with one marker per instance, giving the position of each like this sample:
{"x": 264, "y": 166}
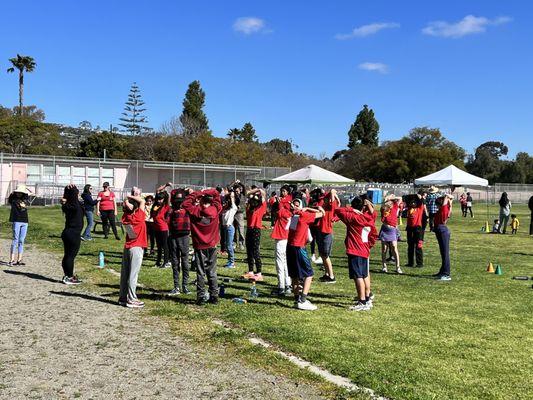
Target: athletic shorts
{"x": 324, "y": 242}
{"x": 298, "y": 263}
{"x": 357, "y": 266}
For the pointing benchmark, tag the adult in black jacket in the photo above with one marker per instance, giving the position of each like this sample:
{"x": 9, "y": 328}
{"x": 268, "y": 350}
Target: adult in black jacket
{"x": 73, "y": 211}
{"x": 88, "y": 206}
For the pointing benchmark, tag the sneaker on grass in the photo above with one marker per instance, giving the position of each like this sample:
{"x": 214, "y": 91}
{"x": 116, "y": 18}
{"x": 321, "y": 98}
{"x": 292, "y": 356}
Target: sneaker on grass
{"x": 399, "y": 271}
{"x": 134, "y": 304}
{"x": 167, "y": 265}
{"x": 185, "y": 290}
{"x": 248, "y": 275}
{"x": 278, "y": 292}
{"x": 445, "y": 278}
{"x": 327, "y": 279}
{"x": 229, "y": 265}
{"x": 174, "y": 292}
{"x": 73, "y": 280}
{"x": 359, "y": 306}
{"x": 258, "y": 277}
{"x": 306, "y": 306}
{"x": 122, "y": 302}
{"x": 384, "y": 269}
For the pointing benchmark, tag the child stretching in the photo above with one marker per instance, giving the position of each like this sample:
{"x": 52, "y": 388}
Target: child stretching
{"x": 388, "y": 234}
{"x": 298, "y": 262}
{"x": 203, "y": 208}
{"x": 360, "y": 238}
{"x": 515, "y": 224}
{"x": 228, "y": 216}
{"x": 179, "y": 226}
{"x": 255, "y": 210}
{"x": 324, "y": 233}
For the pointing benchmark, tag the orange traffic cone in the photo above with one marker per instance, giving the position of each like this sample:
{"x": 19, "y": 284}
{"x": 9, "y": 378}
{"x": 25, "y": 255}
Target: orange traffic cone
{"x": 490, "y": 268}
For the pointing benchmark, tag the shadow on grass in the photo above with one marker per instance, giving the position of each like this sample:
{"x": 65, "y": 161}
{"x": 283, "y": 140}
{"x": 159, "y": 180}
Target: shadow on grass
{"x": 84, "y": 296}
{"x": 32, "y": 275}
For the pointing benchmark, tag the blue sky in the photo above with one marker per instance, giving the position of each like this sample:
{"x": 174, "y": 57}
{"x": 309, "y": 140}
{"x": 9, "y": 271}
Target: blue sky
{"x": 297, "y": 69}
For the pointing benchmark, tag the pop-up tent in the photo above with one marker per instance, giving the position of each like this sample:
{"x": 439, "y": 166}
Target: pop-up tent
{"x": 452, "y": 176}
{"x": 314, "y": 175}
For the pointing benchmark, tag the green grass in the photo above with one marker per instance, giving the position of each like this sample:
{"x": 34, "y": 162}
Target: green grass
{"x": 470, "y": 338}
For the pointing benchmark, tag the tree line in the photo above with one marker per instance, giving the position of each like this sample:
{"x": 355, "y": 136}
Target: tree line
{"x": 188, "y": 138}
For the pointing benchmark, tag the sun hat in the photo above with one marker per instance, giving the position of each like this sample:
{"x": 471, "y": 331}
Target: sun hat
{"x": 433, "y": 189}
{"x": 21, "y": 188}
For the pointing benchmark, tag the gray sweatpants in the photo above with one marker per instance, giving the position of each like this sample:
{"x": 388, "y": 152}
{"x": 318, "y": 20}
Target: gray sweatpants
{"x": 131, "y": 265}
{"x": 238, "y": 223}
{"x": 206, "y": 268}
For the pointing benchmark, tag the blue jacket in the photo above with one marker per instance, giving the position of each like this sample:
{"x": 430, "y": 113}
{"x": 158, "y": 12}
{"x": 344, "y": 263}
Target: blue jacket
{"x": 88, "y": 202}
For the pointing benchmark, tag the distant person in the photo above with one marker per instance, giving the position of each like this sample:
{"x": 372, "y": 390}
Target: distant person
{"x": 495, "y": 226}
{"x": 18, "y": 216}
{"x": 88, "y": 206}
{"x": 256, "y": 207}
{"x": 149, "y": 221}
{"x": 530, "y": 205}
{"x": 160, "y": 214}
{"x": 179, "y": 225}
{"x": 324, "y": 233}
{"x": 388, "y": 234}
{"x": 273, "y": 207}
{"x": 515, "y": 224}
{"x": 463, "y": 202}
{"x": 204, "y": 208}
{"x": 442, "y": 233}
{"x": 228, "y": 215}
{"x": 133, "y": 221}
{"x": 361, "y": 236}
{"x": 238, "y": 222}
{"x": 415, "y": 233}
{"x": 431, "y": 206}
{"x": 505, "y": 212}
{"x": 280, "y": 234}
{"x": 71, "y": 235}
{"x": 469, "y": 204}
{"x": 312, "y": 199}
{"x": 106, "y": 209}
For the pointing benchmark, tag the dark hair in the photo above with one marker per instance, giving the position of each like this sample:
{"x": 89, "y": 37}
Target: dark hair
{"x": 255, "y": 200}
{"x": 219, "y": 189}
{"x": 287, "y": 188}
{"x": 105, "y": 184}
{"x": 273, "y": 193}
{"x": 177, "y": 198}
{"x": 422, "y": 192}
{"x": 496, "y": 220}
{"x": 149, "y": 197}
{"x": 253, "y": 187}
{"x": 70, "y": 194}
{"x": 504, "y": 200}
{"x": 513, "y": 215}
{"x": 357, "y": 203}
{"x": 468, "y": 193}
{"x": 86, "y": 189}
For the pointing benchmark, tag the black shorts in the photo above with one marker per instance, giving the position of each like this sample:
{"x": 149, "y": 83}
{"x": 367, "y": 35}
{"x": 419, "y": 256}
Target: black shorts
{"x": 324, "y": 242}
{"x": 357, "y": 266}
{"x": 298, "y": 263}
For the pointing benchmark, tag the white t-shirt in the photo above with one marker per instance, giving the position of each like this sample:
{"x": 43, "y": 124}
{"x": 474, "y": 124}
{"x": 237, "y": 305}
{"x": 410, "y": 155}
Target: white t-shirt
{"x": 229, "y": 215}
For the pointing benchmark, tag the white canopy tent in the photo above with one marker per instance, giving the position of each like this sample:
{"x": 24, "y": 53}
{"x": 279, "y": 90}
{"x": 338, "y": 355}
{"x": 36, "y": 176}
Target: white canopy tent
{"x": 452, "y": 176}
{"x": 314, "y": 175}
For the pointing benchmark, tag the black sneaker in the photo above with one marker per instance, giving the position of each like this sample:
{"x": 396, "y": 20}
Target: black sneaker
{"x": 201, "y": 301}
{"x": 185, "y": 290}
{"x": 213, "y": 300}
{"x": 327, "y": 279}
{"x": 278, "y": 292}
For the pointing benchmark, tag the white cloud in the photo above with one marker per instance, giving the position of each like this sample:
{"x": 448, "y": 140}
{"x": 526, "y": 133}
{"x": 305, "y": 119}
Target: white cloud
{"x": 469, "y": 25}
{"x": 366, "y": 30}
{"x": 374, "y": 67}
{"x": 250, "y": 25}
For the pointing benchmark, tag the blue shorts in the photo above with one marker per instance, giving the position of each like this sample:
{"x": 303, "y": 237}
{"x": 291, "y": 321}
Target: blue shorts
{"x": 298, "y": 263}
{"x": 324, "y": 242}
{"x": 357, "y": 267}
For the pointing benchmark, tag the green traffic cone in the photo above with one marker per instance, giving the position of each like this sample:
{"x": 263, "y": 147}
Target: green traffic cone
{"x": 498, "y": 270}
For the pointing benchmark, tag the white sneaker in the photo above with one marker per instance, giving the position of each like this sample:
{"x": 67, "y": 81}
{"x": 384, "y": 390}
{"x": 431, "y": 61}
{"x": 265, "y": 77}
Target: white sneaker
{"x": 167, "y": 265}
{"x": 384, "y": 269}
{"x": 360, "y": 307}
{"x": 399, "y": 271}
{"x": 313, "y": 258}
{"x": 307, "y": 306}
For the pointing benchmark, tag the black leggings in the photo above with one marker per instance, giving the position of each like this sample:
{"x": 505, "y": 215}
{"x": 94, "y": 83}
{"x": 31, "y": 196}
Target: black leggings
{"x": 253, "y": 241}
{"x": 108, "y": 218}
{"x": 71, "y": 245}
{"x": 161, "y": 238}
{"x": 150, "y": 232}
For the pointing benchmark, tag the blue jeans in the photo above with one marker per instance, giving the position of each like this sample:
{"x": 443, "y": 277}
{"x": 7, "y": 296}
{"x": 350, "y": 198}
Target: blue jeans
{"x": 19, "y": 235}
{"x": 90, "y": 219}
{"x": 230, "y": 233}
{"x": 443, "y": 237}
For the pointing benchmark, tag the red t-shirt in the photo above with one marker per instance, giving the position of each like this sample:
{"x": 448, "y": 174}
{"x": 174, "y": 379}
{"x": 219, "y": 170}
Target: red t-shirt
{"x": 254, "y": 218}
{"x": 281, "y": 227}
{"x": 360, "y": 231}
{"x": 442, "y": 215}
{"x": 325, "y": 224}
{"x": 137, "y": 221}
{"x": 106, "y": 202}
{"x": 161, "y": 218}
{"x": 299, "y": 227}
{"x": 205, "y": 230}
{"x": 414, "y": 216}
{"x": 390, "y": 217}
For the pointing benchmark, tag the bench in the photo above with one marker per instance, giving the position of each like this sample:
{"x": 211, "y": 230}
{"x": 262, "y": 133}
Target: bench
{"x": 97, "y": 222}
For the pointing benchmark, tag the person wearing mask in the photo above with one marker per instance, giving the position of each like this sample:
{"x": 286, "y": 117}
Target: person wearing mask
{"x": 505, "y": 212}
{"x": 18, "y": 216}
{"x": 442, "y": 233}
{"x": 255, "y": 210}
{"x": 88, "y": 207}
{"x": 179, "y": 230}
{"x": 133, "y": 221}
{"x": 160, "y": 213}
{"x": 106, "y": 209}
{"x": 71, "y": 235}
{"x": 204, "y": 208}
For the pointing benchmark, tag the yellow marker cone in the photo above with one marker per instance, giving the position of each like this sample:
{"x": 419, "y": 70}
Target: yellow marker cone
{"x": 487, "y": 226}
{"x": 400, "y": 223}
{"x": 490, "y": 268}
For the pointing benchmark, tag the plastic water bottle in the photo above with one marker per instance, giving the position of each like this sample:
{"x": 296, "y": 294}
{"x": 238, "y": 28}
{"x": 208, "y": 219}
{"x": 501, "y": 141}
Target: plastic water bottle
{"x": 253, "y": 291}
{"x": 221, "y": 290}
{"x": 101, "y": 260}
{"x": 239, "y": 300}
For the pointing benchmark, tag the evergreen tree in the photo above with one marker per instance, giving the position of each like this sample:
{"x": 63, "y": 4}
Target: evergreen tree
{"x": 133, "y": 119}
{"x": 234, "y": 134}
{"x": 364, "y": 130}
{"x": 248, "y": 133}
{"x": 193, "y": 118}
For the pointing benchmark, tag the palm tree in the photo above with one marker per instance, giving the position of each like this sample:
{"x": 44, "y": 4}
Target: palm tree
{"x": 23, "y": 64}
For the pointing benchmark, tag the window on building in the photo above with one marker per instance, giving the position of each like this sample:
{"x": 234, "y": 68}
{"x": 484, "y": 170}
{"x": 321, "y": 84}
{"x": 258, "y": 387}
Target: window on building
{"x": 33, "y": 173}
{"x": 108, "y": 175}
{"x": 49, "y": 174}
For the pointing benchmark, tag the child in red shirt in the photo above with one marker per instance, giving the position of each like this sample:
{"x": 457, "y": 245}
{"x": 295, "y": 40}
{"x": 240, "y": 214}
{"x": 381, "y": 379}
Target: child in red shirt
{"x": 415, "y": 231}
{"x": 255, "y": 210}
{"x": 388, "y": 234}
{"x": 324, "y": 233}
{"x": 179, "y": 225}
{"x": 280, "y": 234}
{"x": 204, "y": 208}
{"x": 442, "y": 233}
{"x": 298, "y": 262}
{"x": 361, "y": 236}
{"x": 160, "y": 213}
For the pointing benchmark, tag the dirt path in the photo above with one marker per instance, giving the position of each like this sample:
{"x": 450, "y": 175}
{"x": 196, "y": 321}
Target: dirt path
{"x": 56, "y": 343}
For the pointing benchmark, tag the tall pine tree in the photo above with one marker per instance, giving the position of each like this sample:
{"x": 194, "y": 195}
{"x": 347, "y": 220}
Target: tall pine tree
{"x": 364, "y": 130}
{"x": 133, "y": 119}
{"x": 193, "y": 118}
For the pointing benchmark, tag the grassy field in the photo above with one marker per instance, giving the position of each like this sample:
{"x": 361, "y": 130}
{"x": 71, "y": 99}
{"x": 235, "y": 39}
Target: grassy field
{"x": 470, "y": 338}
